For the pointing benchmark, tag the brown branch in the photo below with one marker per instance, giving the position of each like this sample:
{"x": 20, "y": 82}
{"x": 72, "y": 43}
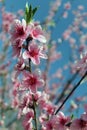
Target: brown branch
{"x": 66, "y": 87}
{"x": 75, "y": 87}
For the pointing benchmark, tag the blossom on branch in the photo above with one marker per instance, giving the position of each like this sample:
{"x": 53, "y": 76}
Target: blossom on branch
{"x": 34, "y": 52}
{"x": 32, "y": 81}
{"x": 19, "y": 30}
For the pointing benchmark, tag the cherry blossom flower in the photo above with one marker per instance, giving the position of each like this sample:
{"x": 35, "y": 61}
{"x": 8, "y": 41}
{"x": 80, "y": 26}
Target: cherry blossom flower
{"x": 34, "y": 53}
{"x": 19, "y": 67}
{"x": 15, "y": 102}
{"x": 32, "y": 81}
{"x": 7, "y": 18}
{"x": 17, "y": 48}
{"x": 56, "y": 122}
{"x": 48, "y": 125}
{"x": 27, "y": 123}
{"x": 43, "y": 100}
{"x": 19, "y": 30}
{"x": 49, "y": 108}
{"x": 84, "y": 117}
{"x": 62, "y": 120}
{"x": 78, "y": 124}
{"x": 36, "y": 32}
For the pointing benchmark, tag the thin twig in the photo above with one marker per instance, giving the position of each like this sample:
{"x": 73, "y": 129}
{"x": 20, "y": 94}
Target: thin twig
{"x": 75, "y": 87}
{"x": 66, "y": 87}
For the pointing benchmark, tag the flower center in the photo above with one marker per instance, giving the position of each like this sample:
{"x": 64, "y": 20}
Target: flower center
{"x": 20, "y": 31}
{"x": 32, "y": 81}
{"x": 63, "y": 121}
{"x": 34, "y": 53}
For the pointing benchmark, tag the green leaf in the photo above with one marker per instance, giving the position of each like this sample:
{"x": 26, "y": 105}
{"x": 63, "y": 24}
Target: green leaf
{"x": 27, "y": 8}
{"x": 34, "y": 10}
{"x": 72, "y": 116}
{"x": 29, "y": 13}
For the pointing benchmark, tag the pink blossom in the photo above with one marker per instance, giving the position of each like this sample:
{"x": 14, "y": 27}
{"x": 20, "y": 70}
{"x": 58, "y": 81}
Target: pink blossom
{"x": 34, "y": 53}
{"x": 19, "y": 67}
{"x": 25, "y": 102}
{"x": 4, "y": 66}
{"x": 67, "y": 5}
{"x": 81, "y": 7}
{"x": 65, "y": 14}
{"x": 7, "y": 18}
{"x": 49, "y": 124}
{"x": 17, "y": 47}
{"x": 54, "y": 55}
{"x": 49, "y": 108}
{"x": 15, "y": 102}
{"x": 62, "y": 120}
{"x": 36, "y": 33}
{"x": 27, "y": 124}
{"x": 16, "y": 85}
{"x": 58, "y": 74}
{"x": 43, "y": 117}
{"x": 78, "y": 124}
{"x": 32, "y": 81}
{"x": 43, "y": 99}
{"x": 66, "y": 34}
{"x": 84, "y": 116}
{"x": 19, "y": 30}
{"x": 54, "y": 124}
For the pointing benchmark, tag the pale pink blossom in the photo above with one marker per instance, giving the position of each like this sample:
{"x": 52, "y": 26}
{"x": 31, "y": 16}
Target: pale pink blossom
{"x": 62, "y": 121}
{"x": 54, "y": 55}
{"x": 78, "y": 124}
{"x": 34, "y": 52}
{"x": 54, "y": 7}
{"x": 67, "y": 5}
{"x": 36, "y": 33}
{"x": 49, "y": 108}
{"x": 43, "y": 100}
{"x": 65, "y": 14}
{"x": 48, "y": 124}
{"x": 4, "y": 66}
{"x": 17, "y": 48}
{"x": 19, "y": 67}
{"x": 66, "y": 34}
{"x": 84, "y": 117}
{"x": 32, "y": 81}
{"x": 54, "y": 123}
{"x": 15, "y": 102}
{"x": 81, "y": 7}
{"x": 27, "y": 123}
{"x": 19, "y": 30}
{"x": 7, "y": 18}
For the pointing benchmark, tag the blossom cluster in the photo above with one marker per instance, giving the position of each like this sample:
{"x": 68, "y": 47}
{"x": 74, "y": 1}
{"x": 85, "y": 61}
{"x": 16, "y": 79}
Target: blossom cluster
{"x": 29, "y": 93}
